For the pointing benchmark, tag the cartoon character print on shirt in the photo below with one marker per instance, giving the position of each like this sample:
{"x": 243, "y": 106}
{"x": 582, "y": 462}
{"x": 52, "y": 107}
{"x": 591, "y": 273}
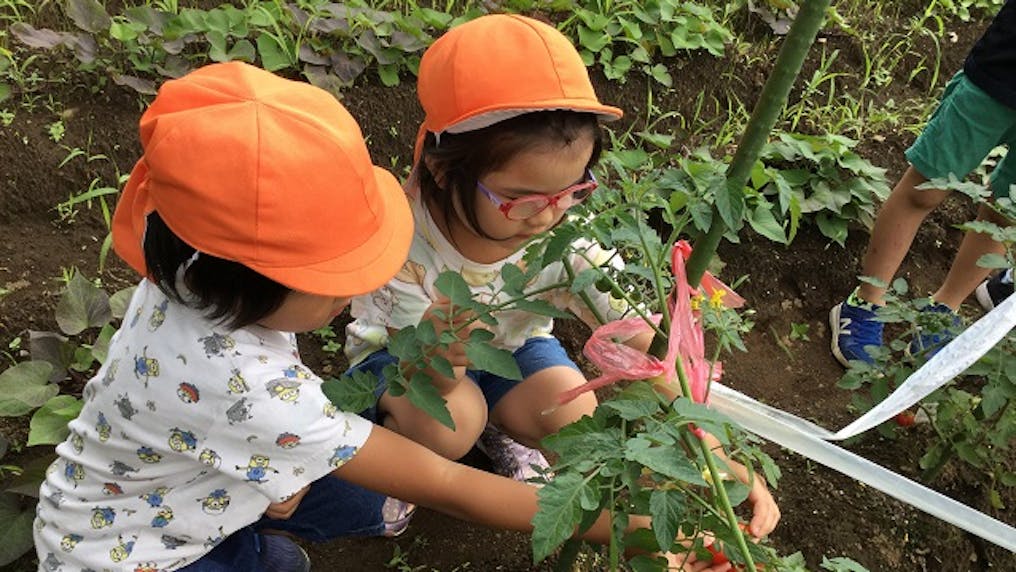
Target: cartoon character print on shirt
{"x": 239, "y": 411}
{"x": 137, "y": 317}
{"x": 237, "y": 384}
{"x": 341, "y": 455}
{"x": 103, "y": 428}
{"x": 172, "y": 542}
{"x": 188, "y": 392}
{"x": 110, "y": 375}
{"x": 330, "y": 410}
{"x": 122, "y": 550}
{"x": 77, "y": 442}
{"x": 112, "y": 489}
{"x": 216, "y": 502}
{"x": 213, "y": 542}
{"x": 148, "y": 455}
{"x": 155, "y": 498}
{"x": 287, "y": 440}
{"x": 74, "y": 472}
{"x": 123, "y": 403}
{"x": 147, "y": 566}
{"x": 210, "y": 458}
{"x": 158, "y": 315}
{"x": 412, "y": 272}
{"x": 257, "y": 468}
{"x": 120, "y": 469}
{"x": 286, "y": 390}
{"x": 297, "y": 372}
{"x": 217, "y": 344}
{"x": 69, "y": 542}
{"x": 102, "y": 517}
{"x": 145, "y": 367}
{"x": 51, "y": 563}
{"x": 182, "y": 441}
{"x": 385, "y": 299}
{"x": 163, "y": 517}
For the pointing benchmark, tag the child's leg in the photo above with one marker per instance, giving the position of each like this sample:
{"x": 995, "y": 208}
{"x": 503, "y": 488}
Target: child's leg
{"x": 517, "y": 408}
{"x": 964, "y": 274}
{"x": 465, "y": 403}
{"x": 895, "y": 227}
{"x": 967, "y": 125}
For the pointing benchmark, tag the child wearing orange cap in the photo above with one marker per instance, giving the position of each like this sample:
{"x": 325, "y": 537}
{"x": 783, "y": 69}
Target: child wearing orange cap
{"x": 508, "y": 142}
{"x": 255, "y": 212}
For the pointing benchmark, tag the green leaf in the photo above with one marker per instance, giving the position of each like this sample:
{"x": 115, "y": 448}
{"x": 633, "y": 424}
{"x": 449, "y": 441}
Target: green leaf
{"x": 49, "y": 423}
{"x": 660, "y": 73}
{"x": 16, "y": 519}
{"x": 559, "y": 513}
{"x": 842, "y": 564}
{"x": 452, "y": 285}
{"x": 5, "y": 92}
{"x": 217, "y": 46}
{"x": 993, "y": 261}
{"x": 488, "y": 358}
{"x": 242, "y": 51}
{"x": 422, "y": 393}
{"x": 89, "y": 15}
{"x": 82, "y": 306}
{"x": 636, "y": 401}
{"x": 764, "y": 223}
{"x": 667, "y": 508}
{"x": 25, "y": 387}
{"x": 273, "y": 55}
{"x": 583, "y": 280}
{"x": 646, "y": 563}
{"x": 389, "y": 74}
{"x": 353, "y": 393}
{"x": 100, "y": 349}
{"x": 541, "y": 307}
{"x": 668, "y": 461}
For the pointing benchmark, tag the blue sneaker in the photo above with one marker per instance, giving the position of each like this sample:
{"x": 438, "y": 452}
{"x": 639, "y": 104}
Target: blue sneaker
{"x": 853, "y": 329}
{"x": 280, "y": 554}
{"x": 937, "y": 325}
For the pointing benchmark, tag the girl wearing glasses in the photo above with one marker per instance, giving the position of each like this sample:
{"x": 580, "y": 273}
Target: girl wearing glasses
{"x": 510, "y": 136}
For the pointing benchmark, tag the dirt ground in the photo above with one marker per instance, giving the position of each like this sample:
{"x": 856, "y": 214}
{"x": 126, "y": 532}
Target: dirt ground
{"x": 824, "y": 513}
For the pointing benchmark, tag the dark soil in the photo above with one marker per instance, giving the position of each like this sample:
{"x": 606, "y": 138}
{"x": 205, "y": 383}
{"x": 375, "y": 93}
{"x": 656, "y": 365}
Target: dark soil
{"x": 824, "y": 513}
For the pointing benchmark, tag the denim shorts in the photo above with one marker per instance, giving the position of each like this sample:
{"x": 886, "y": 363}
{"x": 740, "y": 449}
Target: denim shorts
{"x": 967, "y": 125}
{"x": 537, "y": 354}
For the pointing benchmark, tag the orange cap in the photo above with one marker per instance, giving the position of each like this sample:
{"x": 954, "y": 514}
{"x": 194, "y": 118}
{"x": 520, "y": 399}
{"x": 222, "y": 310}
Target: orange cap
{"x": 268, "y": 172}
{"x": 497, "y": 67}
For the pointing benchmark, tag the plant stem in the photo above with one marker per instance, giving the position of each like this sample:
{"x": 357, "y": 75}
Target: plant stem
{"x": 717, "y": 481}
{"x": 763, "y": 118}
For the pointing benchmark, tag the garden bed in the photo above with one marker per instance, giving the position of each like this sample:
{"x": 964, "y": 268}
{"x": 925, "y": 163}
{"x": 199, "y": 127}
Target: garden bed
{"x": 824, "y": 513}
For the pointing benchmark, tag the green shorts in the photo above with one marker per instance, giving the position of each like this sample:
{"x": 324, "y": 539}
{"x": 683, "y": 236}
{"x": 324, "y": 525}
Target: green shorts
{"x": 967, "y": 125}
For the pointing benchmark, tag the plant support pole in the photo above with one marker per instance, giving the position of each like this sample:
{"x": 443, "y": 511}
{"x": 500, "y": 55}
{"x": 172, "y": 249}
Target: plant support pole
{"x": 763, "y": 118}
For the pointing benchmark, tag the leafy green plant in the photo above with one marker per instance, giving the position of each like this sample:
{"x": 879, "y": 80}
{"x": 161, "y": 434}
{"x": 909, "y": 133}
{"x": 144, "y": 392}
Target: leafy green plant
{"x": 621, "y": 35}
{"x": 973, "y": 417}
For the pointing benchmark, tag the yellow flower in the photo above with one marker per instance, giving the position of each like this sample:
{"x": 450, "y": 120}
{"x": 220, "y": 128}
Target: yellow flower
{"x": 716, "y": 298}
{"x": 696, "y": 302}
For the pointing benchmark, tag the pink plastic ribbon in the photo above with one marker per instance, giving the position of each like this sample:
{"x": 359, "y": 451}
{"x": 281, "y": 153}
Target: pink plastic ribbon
{"x": 616, "y": 361}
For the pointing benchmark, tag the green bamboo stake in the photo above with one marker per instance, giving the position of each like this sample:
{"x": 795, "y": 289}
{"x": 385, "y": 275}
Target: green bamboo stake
{"x": 763, "y": 118}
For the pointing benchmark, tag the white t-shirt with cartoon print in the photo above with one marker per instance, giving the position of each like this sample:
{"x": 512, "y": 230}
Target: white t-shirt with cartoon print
{"x": 403, "y": 301}
{"x": 188, "y": 432}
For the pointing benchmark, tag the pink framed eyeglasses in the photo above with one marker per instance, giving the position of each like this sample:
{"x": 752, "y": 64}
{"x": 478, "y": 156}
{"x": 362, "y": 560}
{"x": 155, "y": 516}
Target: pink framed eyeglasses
{"x": 530, "y": 206}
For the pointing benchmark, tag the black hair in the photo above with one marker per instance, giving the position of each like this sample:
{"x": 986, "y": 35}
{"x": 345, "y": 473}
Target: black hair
{"x": 462, "y": 158}
{"x": 229, "y": 292}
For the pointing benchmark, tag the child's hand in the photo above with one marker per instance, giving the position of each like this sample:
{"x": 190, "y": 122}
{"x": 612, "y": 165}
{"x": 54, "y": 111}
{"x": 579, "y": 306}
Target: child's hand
{"x": 285, "y": 509}
{"x": 764, "y": 512}
{"x": 438, "y": 314}
{"x": 688, "y": 562}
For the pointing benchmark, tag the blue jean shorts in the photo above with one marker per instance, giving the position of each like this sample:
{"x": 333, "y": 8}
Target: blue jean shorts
{"x": 537, "y": 354}
{"x": 965, "y": 127}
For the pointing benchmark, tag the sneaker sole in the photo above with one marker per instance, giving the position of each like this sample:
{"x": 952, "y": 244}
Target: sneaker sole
{"x": 834, "y": 329}
{"x": 983, "y": 297}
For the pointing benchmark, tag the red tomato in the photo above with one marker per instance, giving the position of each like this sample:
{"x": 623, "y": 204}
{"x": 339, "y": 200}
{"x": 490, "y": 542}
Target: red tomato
{"x": 905, "y": 418}
{"x": 718, "y": 556}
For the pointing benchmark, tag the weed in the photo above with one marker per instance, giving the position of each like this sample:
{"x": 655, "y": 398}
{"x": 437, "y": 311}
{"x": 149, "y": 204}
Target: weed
{"x": 799, "y": 331}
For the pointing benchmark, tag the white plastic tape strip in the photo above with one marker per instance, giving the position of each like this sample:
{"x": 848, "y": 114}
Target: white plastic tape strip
{"x": 794, "y": 434}
{"x": 950, "y": 361}
{"x": 811, "y": 440}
